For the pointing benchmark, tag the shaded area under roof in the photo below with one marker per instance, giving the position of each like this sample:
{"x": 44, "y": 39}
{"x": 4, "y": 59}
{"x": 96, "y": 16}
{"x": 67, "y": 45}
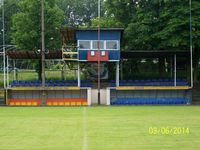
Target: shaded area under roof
{"x": 153, "y": 53}
{"x": 68, "y": 35}
{"x": 103, "y": 29}
{"x": 33, "y": 55}
{"x": 124, "y": 54}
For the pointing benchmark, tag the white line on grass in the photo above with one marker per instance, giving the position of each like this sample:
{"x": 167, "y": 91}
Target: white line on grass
{"x": 85, "y": 139}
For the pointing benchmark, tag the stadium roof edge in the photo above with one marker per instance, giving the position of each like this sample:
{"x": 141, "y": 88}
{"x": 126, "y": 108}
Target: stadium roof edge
{"x": 153, "y": 53}
{"x": 19, "y": 54}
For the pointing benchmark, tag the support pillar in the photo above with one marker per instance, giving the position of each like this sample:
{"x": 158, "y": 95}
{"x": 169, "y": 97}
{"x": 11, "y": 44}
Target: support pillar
{"x": 79, "y": 75}
{"x": 7, "y": 72}
{"x": 171, "y": 67}
{"x": 117, "y": 73}
{"x": 175, "y": 70}
{"x": 14, "y": 68}
{"x": 108, "y": 96}
{"x": 64, "y": 71}
{"x": 121, "y": 67}
{"x": 89, "y": 96}
{"x": 63, "y": 74}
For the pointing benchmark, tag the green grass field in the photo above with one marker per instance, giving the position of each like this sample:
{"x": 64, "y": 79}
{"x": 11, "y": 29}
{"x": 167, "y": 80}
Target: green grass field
{"x": 98, "y": 128}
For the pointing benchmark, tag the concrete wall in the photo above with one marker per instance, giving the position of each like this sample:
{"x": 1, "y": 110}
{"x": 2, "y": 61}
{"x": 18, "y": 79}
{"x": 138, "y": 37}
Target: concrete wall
{"x": 103, "y": 96}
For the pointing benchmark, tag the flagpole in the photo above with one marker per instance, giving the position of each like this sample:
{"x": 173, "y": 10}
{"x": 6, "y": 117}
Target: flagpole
{"x": 4, "y": 48}
{"x": 43, "y": 43}
{"x": 99, "y": 65}
{"x": 191, "y": 48}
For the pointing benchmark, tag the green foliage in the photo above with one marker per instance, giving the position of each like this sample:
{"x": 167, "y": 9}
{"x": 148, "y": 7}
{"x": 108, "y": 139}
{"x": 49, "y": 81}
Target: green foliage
{"x": 156, "y": 24}
{"x": 148, "y": 24}
{"x": 122, "y": 10}
{"x": 58, "y": 66}
{"x": 79, "y": 12}
{"x": 26, "y": 29}
{"x": 106, "y": 22}
{"x": 10, "y": 8}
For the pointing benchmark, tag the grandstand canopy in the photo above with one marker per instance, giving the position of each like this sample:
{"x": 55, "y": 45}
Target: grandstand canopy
{"x": 68, "y": 35}
{"x": 124, "y": 54}
{"x": 153, "y": 53}
{"x": 34, "y": 55}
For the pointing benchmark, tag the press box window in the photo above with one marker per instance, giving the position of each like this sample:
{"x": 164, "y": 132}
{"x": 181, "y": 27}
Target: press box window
{"x": 103, "y": 53}
{"x": 111, "y": 45}
{"x": 92, "y": 53}
{"x": 84, "y": 44}
{"x": 95, "y": 45}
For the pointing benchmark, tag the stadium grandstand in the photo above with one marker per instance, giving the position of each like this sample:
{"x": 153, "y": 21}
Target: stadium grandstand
{"x": 80, "y": 46}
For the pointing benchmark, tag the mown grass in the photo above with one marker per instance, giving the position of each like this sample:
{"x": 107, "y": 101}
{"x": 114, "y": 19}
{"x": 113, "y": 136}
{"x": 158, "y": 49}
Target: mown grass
{"x": 98, "y": 128}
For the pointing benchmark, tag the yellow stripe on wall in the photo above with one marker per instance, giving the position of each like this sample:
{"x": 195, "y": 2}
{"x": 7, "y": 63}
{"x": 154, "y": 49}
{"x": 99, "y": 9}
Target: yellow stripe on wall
{"x": 152, "y": 88}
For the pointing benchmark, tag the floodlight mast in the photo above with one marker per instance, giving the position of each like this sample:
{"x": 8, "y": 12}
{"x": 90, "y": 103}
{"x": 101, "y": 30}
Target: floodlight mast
{"x": 191, "y": 47}
{"x": 99, "y": 65}
{"x": 4, "y": 48}
{"x": 43, "y": 43}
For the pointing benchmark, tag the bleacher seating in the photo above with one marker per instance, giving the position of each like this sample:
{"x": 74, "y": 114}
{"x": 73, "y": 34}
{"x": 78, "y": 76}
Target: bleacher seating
{"x": 153, "y": 101}
{"x": 51, "y": 83}
{"x": 24, "y": 102}
{"x": 66, "y": 102}
{"x": 150, "y": 82}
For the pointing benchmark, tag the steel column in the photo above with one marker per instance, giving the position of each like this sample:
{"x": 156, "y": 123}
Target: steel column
{"x": 191, "y": 48}
{"x": 175, "y": 70}
{"x": 4, "y": 48}
{"x": 79, "y": 75}
{"x": 99, "y": 64}
{"x": 117, "y": 73}
{"x": 43, "y": 43}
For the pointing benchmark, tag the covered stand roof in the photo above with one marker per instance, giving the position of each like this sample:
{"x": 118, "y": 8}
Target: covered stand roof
{"x": 68, "y": 35}
{"x": 153, "y": 53}
{"x": 124, "y": 54}
{"x": 34, "y": 55}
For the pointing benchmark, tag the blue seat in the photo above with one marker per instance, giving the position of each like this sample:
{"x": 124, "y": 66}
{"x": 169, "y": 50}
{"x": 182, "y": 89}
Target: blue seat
{"x": 15, "y": 83}
{"x": 62, "y": 83}
{"x": 21, "y": 83}
{"x": 112, "y": 84}
{"x": 32, "y": 83}
{"x": 39, "y": 83}
{"x": 50, "y": 83}
{"x": 154, "y": 80}
{"x": 182, "y": 83}
{"x": 27, "y": 83}
{"x": 166, "y": 80}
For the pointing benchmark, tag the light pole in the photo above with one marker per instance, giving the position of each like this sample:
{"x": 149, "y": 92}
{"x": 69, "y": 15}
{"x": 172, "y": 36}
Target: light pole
{"x": 191, "y": 48}
{"x": 99, "y": 65}
{"x": 43, "y": 43}
{"x": 3, "y": 42}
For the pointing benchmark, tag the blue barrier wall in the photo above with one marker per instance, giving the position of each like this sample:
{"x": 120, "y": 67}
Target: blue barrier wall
{"x": 145, "y": 97}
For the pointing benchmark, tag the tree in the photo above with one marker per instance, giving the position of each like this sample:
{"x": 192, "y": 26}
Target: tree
{"x": 157, "y": 24}
{"x": 106, "y": 22}
{"x": 79, "y": 12}
{"x": 121, "y": 10}
{"x": 10, "y": 8}
{"x": 26, "y": 27}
